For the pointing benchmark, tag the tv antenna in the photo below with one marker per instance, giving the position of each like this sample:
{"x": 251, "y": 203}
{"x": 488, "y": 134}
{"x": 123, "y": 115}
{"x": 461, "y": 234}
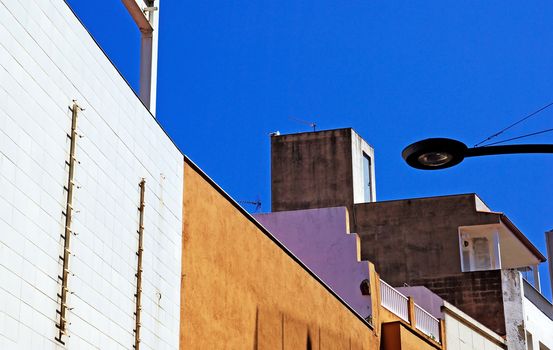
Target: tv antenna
{"x": 257, "y": 203}
{"x": 301, "y": 121}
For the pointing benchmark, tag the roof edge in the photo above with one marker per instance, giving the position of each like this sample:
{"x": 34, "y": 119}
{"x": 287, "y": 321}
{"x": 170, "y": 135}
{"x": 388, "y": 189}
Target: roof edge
{"x": 521, "y": 237}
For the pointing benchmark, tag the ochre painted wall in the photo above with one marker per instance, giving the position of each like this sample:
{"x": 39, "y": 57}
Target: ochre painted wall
{"x": 240, "y": 290}
{"x": 396, "y": 336}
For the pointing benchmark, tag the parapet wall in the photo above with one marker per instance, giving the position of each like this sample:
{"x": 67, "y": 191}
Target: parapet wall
{"x": 241, "y": 288}
{"x": 479, "y": 294}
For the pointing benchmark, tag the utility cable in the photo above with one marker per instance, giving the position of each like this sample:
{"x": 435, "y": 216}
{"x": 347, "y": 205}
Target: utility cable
{"x": 519, "y": 137}
{"x": 516, "y": 123}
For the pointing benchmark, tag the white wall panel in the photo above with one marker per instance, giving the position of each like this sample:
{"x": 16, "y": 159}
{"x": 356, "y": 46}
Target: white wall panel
{"x": 538, "y": 324}
{"x": 47, "y": 59}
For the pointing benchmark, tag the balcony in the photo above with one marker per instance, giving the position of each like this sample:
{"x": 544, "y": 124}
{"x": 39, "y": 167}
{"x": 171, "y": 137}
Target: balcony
{"x": 411, "y": 313}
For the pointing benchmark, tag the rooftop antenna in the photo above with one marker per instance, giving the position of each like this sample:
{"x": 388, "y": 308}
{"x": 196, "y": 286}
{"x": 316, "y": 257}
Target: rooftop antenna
{"x": 301, "y": 121}
{"x": 145, "y": 14}
{"x": 257, "y": 203}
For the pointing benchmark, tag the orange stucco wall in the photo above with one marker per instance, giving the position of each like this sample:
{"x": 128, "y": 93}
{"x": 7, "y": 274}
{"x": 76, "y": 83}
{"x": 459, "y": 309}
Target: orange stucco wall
{"x": 397, "y": 336}
{"x": 240, "y": 290}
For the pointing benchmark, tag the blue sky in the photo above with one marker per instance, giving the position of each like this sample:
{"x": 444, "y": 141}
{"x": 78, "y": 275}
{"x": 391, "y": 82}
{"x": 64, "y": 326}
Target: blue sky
{"x": 230, "y": 72}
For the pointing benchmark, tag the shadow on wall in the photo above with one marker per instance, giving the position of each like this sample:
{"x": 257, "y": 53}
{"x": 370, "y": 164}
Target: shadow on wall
{"x": 276, "y": 330}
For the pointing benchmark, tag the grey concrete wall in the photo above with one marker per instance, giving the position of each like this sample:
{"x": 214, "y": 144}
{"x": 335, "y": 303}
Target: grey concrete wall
{"x": 311, "y": 170}
{"x": 415, "y": 238}
{"x": 417, "y": 242}
{"x": 478, "y": 294}
{"x": 513, "y": 309}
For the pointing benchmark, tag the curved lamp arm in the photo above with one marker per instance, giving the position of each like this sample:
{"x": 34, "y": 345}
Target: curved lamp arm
{"x": 508, "y": 149}
{"x": 441, "y": 153}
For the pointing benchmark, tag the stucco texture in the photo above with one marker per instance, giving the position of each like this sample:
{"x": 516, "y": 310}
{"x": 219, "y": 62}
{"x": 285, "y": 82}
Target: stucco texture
{"x": 321, "y": 239}
{"x": 397, "y": 336}
{"x": 316, "y": 165}
{"x": 241, "y": 290}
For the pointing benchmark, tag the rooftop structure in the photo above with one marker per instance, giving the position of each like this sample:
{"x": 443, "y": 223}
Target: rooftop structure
{"x": 321, "y": 169}
{"x": 454, "y": 245}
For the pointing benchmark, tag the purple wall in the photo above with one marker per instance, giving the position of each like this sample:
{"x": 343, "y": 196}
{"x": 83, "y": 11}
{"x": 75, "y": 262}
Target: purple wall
{"x": 425, "y": 299}
{"x": 320, "y": 238}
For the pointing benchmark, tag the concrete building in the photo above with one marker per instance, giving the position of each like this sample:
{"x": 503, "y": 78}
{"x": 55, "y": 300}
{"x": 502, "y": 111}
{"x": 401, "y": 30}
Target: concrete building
{"x": 113, "y": 239}
{"x": 70, "y": 188}
{"x": 321, "y": 238}
{"x": 241, "y": 289}
{"x": 329, "y": 168}
{"x": 454, "y": 245}
{"x": 461, "y": 250}
{"x": 110, "y": 238}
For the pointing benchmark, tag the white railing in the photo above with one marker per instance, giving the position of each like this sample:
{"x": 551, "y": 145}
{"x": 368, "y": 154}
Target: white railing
{"x": 394, "y": 301}
{"x": 398, "y": 304}
{"x": 427, "y": 323}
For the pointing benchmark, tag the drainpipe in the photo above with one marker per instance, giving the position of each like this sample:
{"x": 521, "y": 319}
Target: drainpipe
{"x": 145, "y": 14}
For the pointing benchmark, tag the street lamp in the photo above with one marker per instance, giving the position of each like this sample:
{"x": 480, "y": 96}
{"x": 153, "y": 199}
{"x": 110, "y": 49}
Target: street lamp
{"x": 441, "y": 153}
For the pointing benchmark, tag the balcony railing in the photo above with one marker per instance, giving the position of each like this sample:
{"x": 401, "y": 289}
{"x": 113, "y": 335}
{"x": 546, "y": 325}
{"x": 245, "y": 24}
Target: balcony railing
{"x": 398, "y": 304}
{"x": 394, "y": 301}
{"x": 427, "y": 323}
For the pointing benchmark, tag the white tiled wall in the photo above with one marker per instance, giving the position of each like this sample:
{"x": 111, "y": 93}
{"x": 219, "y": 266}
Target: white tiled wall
{"x": 47, "y": 59}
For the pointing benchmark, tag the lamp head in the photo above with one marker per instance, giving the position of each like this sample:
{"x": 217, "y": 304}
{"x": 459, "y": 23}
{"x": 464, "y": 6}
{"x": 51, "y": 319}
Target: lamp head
{"x": 435, "y": 153}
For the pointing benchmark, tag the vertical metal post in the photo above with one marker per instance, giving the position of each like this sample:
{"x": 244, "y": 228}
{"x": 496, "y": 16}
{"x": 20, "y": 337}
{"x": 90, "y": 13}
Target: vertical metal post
{"x": 549, "y": 245}
{"x": 138, "y": 294}
{"x": 66, "y": 236}
{"x": 145, "y": 14}
{"x": 536, "y": 276}
{"x": 145, "y": 90}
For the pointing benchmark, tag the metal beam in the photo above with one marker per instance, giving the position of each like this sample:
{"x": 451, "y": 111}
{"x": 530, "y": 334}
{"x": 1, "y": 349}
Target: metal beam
{"x": 136, "y": 11}
{"x": 145, "y": 14}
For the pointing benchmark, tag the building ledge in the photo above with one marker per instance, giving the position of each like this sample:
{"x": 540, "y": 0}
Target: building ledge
{"x": 538, "y": 299}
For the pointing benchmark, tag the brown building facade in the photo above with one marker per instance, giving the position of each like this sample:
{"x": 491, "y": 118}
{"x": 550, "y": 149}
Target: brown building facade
{"x": 454, "y": 245}
{"x": 321, "y": 169}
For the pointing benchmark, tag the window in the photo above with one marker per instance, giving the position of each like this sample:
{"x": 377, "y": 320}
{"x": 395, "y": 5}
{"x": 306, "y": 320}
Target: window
{"x": 529, "y": 341}
{"x": 479, "y": 251}
{"x": 367, "y": 185}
